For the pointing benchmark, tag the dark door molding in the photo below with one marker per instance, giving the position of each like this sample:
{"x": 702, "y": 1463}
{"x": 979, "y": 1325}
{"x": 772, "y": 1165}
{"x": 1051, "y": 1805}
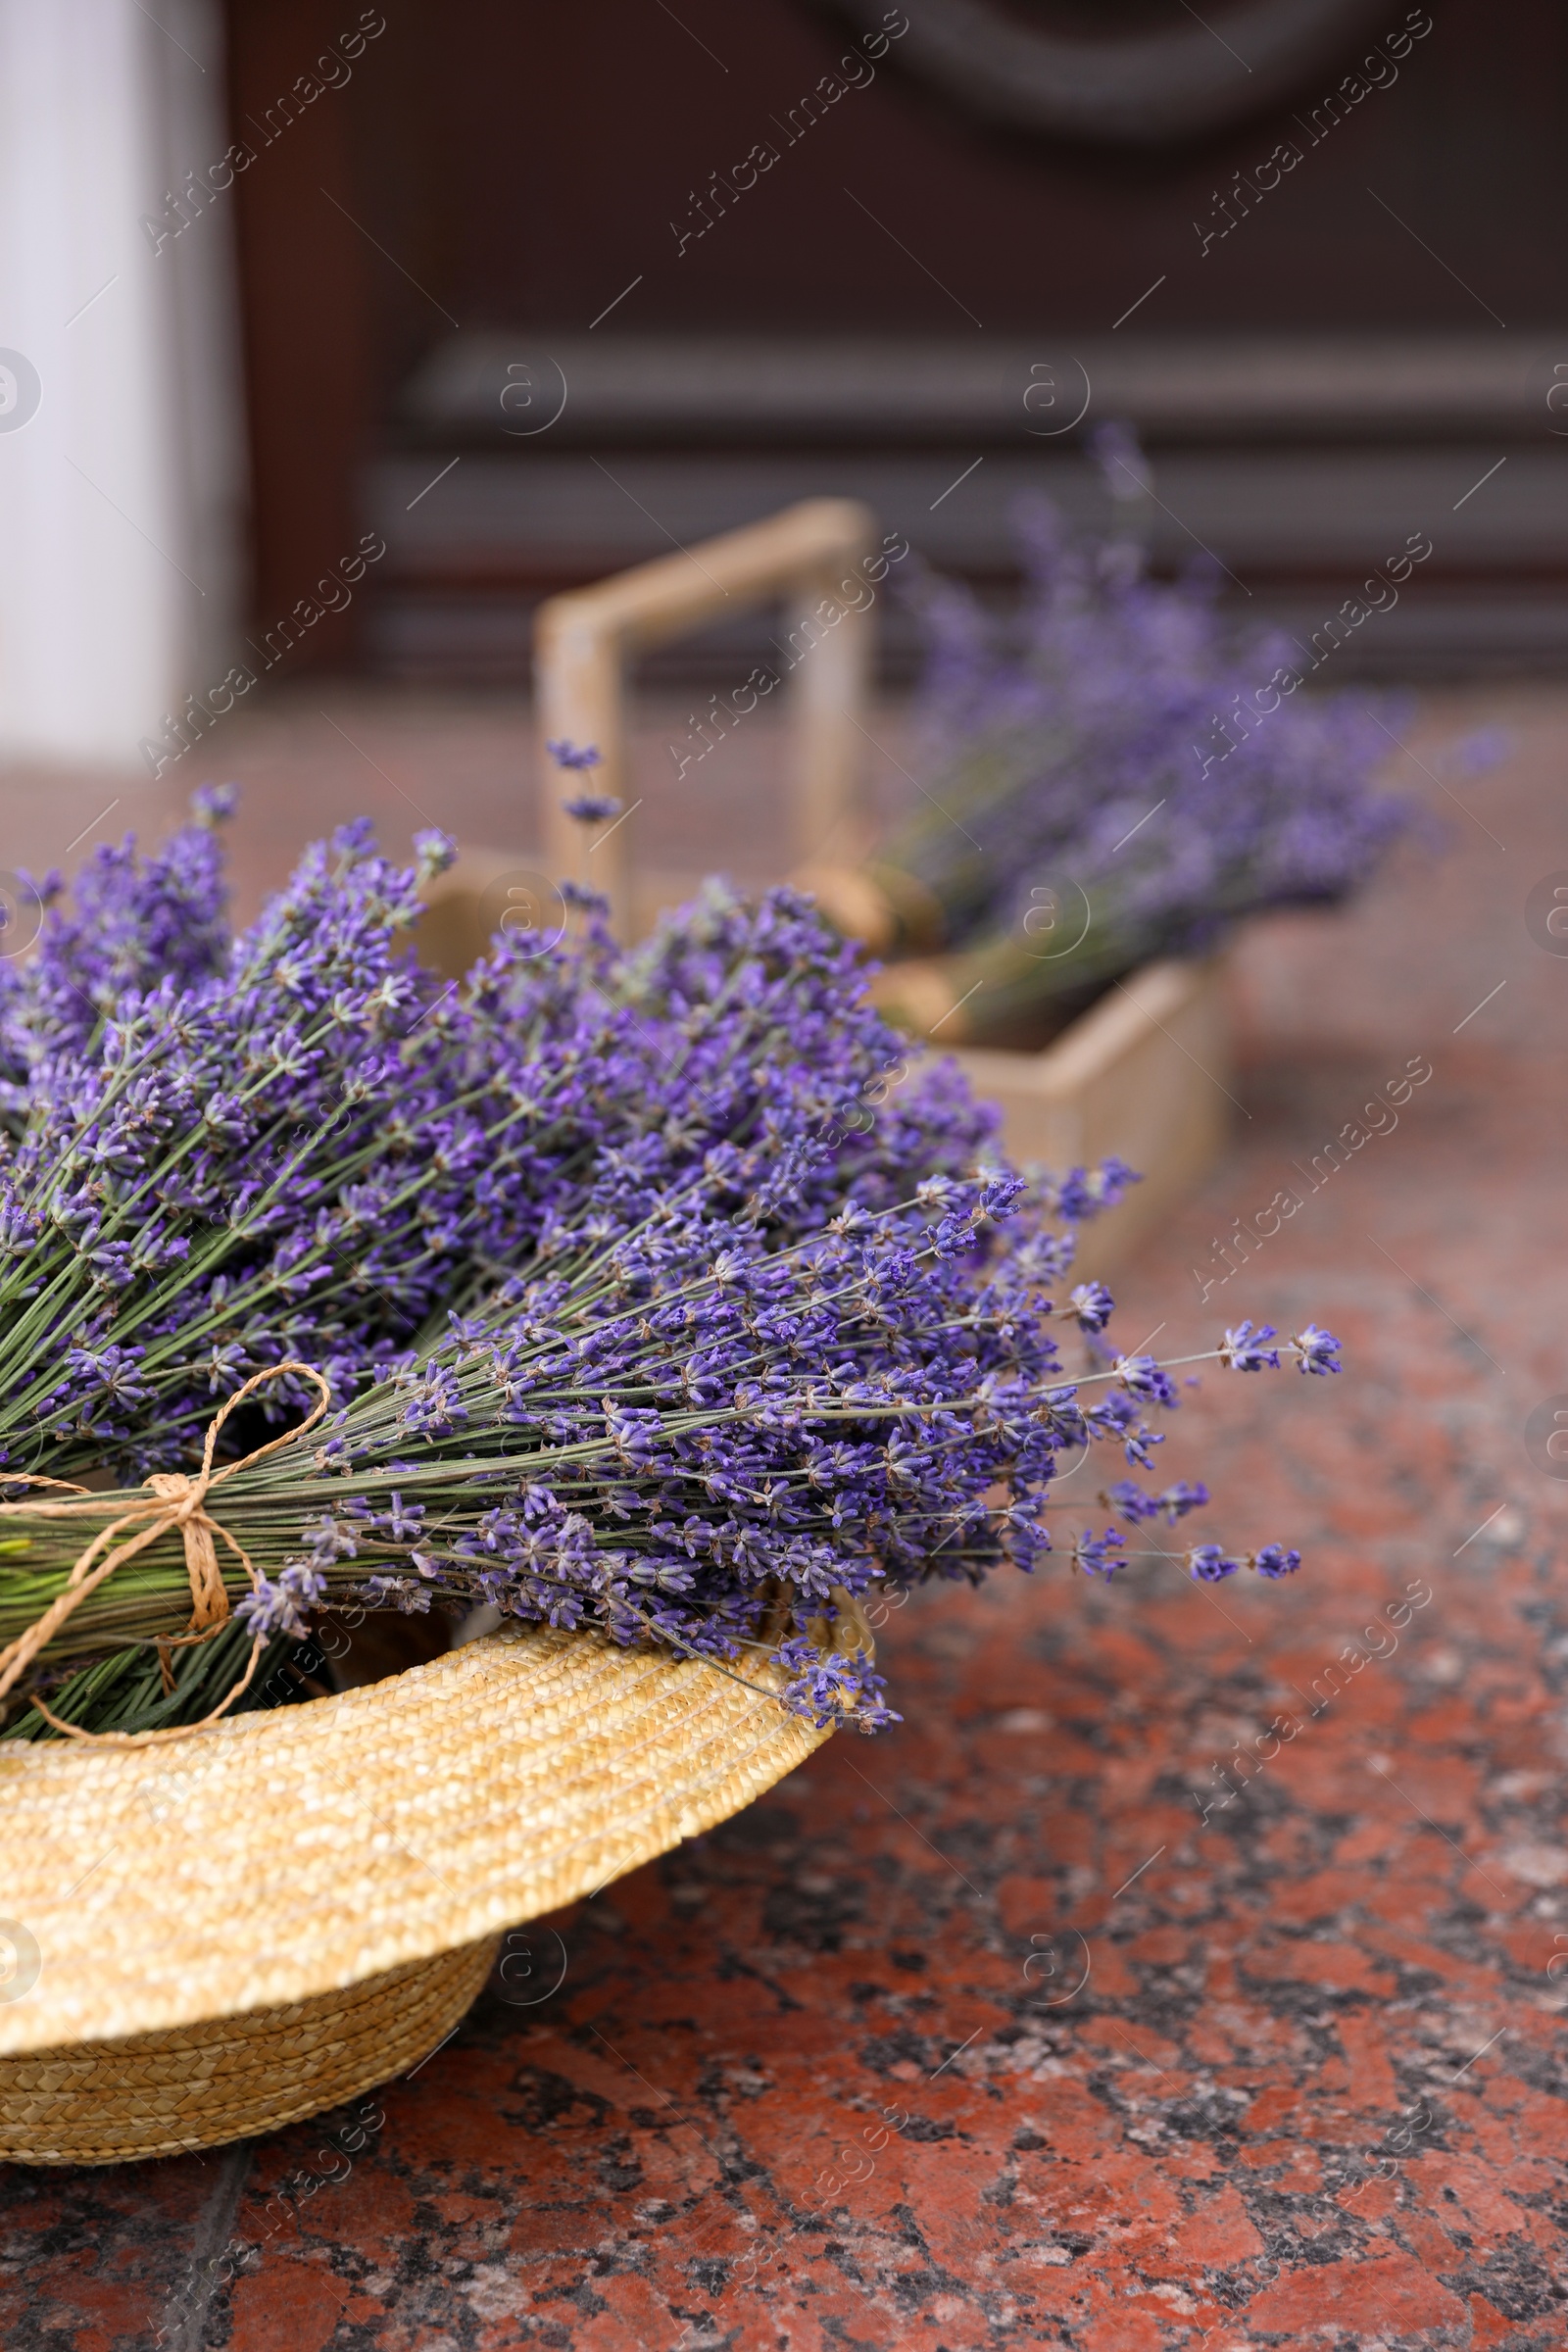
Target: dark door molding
{"x": 1135, "y": 88}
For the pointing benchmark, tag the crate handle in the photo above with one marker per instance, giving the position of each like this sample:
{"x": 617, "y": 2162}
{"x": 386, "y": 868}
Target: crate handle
{"x": 811, "y": 556}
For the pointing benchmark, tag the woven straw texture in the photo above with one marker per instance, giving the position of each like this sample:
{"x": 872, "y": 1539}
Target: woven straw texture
{"x": 283, "y": 1856}
{"x": 195, "y": 2086}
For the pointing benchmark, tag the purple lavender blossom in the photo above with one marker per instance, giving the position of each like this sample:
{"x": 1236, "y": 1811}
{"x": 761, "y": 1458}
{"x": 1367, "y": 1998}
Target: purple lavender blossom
{"x": 1178, "y": 1500}
{"x": 1244, "y": 1350}
{"x": 592, "y": 808}
{"x": 280, "y": 1604}
{"x": 1129, "y": 1498}
{"x": 436, "y": 852}
{"x": 566, "y": 753}
{"x": 1209, "y": 1564}
{"x": 1101, "y": 1555}
{"x": 830, "y": 1687}
{"x": 1123, "y": 464}
{"x": 214, "y": 804}
{"x": 1084, "y": 1192}
{"x": 1142, "y": 1376}
{"x": 135, "y": 925}
{"x": 1315, "y": 1351}
{"x": 1092, "y": 1304}
{"x": 1477, "y": 754}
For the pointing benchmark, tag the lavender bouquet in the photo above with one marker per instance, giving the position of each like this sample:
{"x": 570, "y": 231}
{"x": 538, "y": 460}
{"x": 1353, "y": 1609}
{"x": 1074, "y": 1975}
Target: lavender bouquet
{"x": 686, "y": 1436}
{"x": 1114, "y": 775}
{"x": 221, "y": 1155}
{"x": 625, "y": 1308}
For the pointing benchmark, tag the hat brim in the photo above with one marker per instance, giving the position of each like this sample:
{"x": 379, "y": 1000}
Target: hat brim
{"x": 288, "y": 1855}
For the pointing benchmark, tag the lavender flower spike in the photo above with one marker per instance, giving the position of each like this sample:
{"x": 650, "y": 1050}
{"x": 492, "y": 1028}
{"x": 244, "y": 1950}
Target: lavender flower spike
{"x": 1209, "y": 1564}
{"x": 566, "y": 753}
{"x": 1315, "y": 1351}
{"x": 1091, "y": 1303}
{"x": 278, "y": 1604}
{"x": 1097, "y": 1555}
{"x": 1246, "y": 1350}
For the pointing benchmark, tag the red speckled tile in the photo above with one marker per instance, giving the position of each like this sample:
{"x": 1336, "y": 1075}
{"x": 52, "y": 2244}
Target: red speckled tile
{"x": 982, "y": 2033}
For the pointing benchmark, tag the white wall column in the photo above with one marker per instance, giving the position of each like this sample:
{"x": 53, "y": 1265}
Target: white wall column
{"x": 121, "y": 459}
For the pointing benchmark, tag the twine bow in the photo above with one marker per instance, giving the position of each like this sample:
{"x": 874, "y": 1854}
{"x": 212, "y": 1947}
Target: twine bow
{"x": 172, "y": 1500}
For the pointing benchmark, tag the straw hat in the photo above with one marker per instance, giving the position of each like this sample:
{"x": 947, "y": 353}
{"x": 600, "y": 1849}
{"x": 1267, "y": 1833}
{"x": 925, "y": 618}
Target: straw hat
{"x": 212, "y": 1937}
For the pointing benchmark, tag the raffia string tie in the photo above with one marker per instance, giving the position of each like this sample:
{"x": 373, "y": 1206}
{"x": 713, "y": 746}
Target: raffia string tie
{"x": 172, "y": 1500}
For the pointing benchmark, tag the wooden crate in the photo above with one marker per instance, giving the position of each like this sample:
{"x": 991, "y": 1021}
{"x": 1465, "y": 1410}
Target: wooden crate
{"x": 1146, "y": 1074}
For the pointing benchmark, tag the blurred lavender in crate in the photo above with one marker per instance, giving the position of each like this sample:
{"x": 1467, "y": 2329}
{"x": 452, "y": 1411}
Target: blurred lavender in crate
{"x": 1117, "y": 775}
